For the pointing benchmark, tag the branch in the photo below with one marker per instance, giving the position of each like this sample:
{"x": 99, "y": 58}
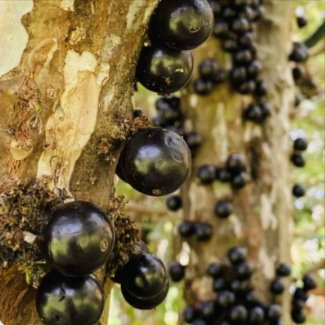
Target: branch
{"x": 316, "y": 36}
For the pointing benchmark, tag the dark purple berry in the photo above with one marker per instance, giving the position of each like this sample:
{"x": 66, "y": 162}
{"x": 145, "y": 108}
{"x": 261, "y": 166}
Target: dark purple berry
{"x": 243, "y": 270}
{"x": 239, "y": 180}
{"x": 238, "y": 74}
{"x": 186, "y": 229}
{"x": 193, "y": 140}
{"x": 174, "y": 202}
{"x": 298, "y": 160}
{"x": 309, "y": 281}
{"x": 298, "y": 72}
{"x": 240, "y": 25}
{"x": 223, "y": 175}
{"x": 219, "y": 284}
{"x": 237, "y": 255}
{"x": 208, "y": 68}
{"x": 273, "y": 312}
{"x": 203, "y": 87}
{"x": 220, "y": 29}
{"x": 298, "y": 316}
{"x": 298, "y": 190}
{"x": 238, "y": 314}
{"x": 189, "y": 314}
{"x": 246, "y": 87}
{"x": 176, "y": 271}
{"x": 256, "y": 316}
{"x": 302, "y": 21}
{"x": 215, "y": 270}
{"x": 207, "y": 310}
{"x": 206, "y": 174}
{"x": 243, "y": 56}
{"x": 261, "y": 88}
{"x": 203, "y": 231}
{"x": 223, "y": 209}
{"x": 277, "y": 287}
{"x": 253, "y": 113}
{"x": 225, "y": 299}
{"x": 300, "y": 144}
{"x": 253, "y": 69}
{"x": 283, "y": 269}
{"x": 300, "y": 294}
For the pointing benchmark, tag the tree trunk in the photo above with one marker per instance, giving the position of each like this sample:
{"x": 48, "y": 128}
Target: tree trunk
{"x": 262, "y": 218}
{"x": 66, "y": 81}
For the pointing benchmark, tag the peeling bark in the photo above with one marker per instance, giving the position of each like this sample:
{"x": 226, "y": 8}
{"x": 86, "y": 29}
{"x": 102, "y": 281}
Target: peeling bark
{"x": 262, "y": 218}
{"x": 66, "y": 82}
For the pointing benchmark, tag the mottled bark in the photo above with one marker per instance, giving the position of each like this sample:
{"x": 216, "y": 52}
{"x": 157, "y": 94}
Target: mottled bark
{"x": 262, "y": 218}
{"x": 66, "y": 82}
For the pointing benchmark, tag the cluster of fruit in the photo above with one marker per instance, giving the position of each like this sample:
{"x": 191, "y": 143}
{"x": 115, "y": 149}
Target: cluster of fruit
{"x": 236, "y": 301}
{"x": 166, "y": 65}
{"x": 144, "y": 281}
{"x": 77, "y": 240}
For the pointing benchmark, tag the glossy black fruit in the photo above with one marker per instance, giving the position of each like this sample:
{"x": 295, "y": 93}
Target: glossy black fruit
{"x": 240, "y": 25}
{"x": 182, "y": 24}
{"x": 273, "y": 312}
{"x": 216, "y": 7}
{"x": 78, "y": 239}
{"x": 298, "y": 190}
{"x": 207, "y": 310}
{"x": 253, "y": 69}
{"x": 174, "y": 202}
{"x": 176, "y": 271}
{"x": 220, "y": 29}
{"x": 243, "y": 56}
{"x": 302, "y": 21}
{"x": 246, "y": 87}
{"x": 176, "y": 129}
{"x": 230, "y": 45}
{"x": 239, "y": 180}
{"x": 199, "y": 322}
{"x": 238, "y": 314}
{"x": 186, "y": 229}
{"x": 219, "y": 76}
{"x": 298, "y": 72}
{"x": 137, "y": 113}
{"x": 164, "y": 70}
{"x": 265, "y": 109}
{"x": 228, "y": 13}
{"x": 246, "y": 39}
{"x": 219, "y": 284}
{"x": 235, "y": 163}
{"x": 189, "y": 314}
{"x": 277, "y": 287}
{"x": 208, "y": 68}
{"x": 298, "y": 316}
{"x": 298, "y": 304}
{"x": 243, "y": 270}
{"x": 253, "y": 113}
{"x": 203, "y": 231}
{"x": 203, "y": 87}
{"x": 145, "y": 303}
{"x": 256, "y": 316}
{"x": 309, "y": 281}
{"x": 261, "y": 88}
{"x": 299, "y": 55}
{"x": 223, "y": 175}
{"x": 283, "y": 269}
{"x": 237, "y": 255}
{"x": 236, "y": 285}
{"x": 215, "y": 270}
{"x": 300, "y": 294}
{"x": 225, "y": 299}
{"x": 300, "y": 144}
{"x": 238, "y": 74}
{"x": 155, "y": 161}
{"x": 193, "y": 140}
{"x": 298, "y": 160}
{"x": 206, "y": 174}
{"x": 69, "y": 301}
{"x": 223, "y": 209}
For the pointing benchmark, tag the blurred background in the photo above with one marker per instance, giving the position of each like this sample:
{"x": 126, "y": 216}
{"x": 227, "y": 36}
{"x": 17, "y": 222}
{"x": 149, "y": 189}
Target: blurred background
{"x": 158, "y": 226}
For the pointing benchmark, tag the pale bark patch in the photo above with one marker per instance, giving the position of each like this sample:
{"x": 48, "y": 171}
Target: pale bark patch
{"x": 13, "y": 35}
{"x": 268, "y": 219}
{"x": 267, "y": 263}
{"x": 67, "y": 5}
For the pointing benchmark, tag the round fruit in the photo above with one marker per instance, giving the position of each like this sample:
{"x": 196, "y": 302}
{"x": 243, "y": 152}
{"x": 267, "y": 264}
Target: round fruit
{"x": 236, "y": 285}
{"x": 174, "y": 202}
{"x": 299, "y": 54}
{"x": 256, "y": 316}
{"x": 216, "y": 7}
{"x": 78, "y": 238}
{"x": 298, "y": 160}
{"x": 145, "y": 303}
{"x": 182, "y": 24}
{"x": 228, "y": 13}
{"x": 223, "y": 175}
{"x": 298, "y": 316}
{"x": 161, "y": 103}
{"x": 253, "y": 113}
{"x": 283, "y": 269}
{"x": 164, "y": 70}
{"x": 144, "y": 276}
{"x": 219, "y": 284}
{"x": 254, "y": 69}
{"x": 230, "y": 45}
{"x": 298, "y": 304}
{"x": 300, "y": 144}
{"x": 243, "y": 271}
{"x": 300, "y": 294}
{"x": 309, "y": 281}
{"x": 240, "y": 25}
{"x": 223, "y": 209}
{"x": 238, "y": 74}
{"x": 225, "y": 298}
{"x": 239, "y": 180}
{"x": 261, "y": 88}
{"x": 246, "y": 39}
{"x": 246, "y": 87}
{"x": 265, "y": 109}
{"x": 156, "y": 161}
{"x": 219, "y": 76}
{"x": 298, "y": 190}
{"x": 273, "y": 312}
{"x": 235, "y": 163}
{"x": 69, "y": 301}
{"x": 215, "y": 270}
{"x": 302, "y": 21}
{"x": 199, "y": 322}
{"x": 189, "y": 314}
{"x": 176, "y": 271}
{"x": 193, "y": 140}
{"x": 243, "y": 56}
{"x": 277, "y": 287}
{"x": 206, "y": 174}
{"x": 220, "y": 29}
{"x": 137, "y": 113}
{"x": 238, "y": 314}
{"x": 203, "y": 231}
{"x": 207, "y": 310}
{"x": 237, "y": 255}
{"x": 186, "y": 229}
{"x": 203, "y": 87}
{"x": 298, "y": 72}
{"x": 208, "y": 68}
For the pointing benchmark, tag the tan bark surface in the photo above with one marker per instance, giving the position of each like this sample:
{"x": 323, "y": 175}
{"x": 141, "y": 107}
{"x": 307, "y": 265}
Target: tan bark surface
{"x": 66, "y": 81}
{"x": 262, "y": 218}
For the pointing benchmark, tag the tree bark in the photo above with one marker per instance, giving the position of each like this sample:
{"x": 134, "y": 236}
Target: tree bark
{"x": 262, "y": 218}
{"x": 66, "y": 82}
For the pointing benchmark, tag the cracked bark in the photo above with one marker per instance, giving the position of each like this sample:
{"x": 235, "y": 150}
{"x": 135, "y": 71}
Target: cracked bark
{"x": 66, "y": 82}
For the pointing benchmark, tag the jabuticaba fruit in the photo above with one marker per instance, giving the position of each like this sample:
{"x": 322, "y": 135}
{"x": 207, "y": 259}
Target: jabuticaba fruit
{"x": 182, "y": 24}
{"x": 78, "y": 238}
{"x": 64, "y": 300}
{"x": 156, "y": 161}
{"x": 164, "y": 70}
